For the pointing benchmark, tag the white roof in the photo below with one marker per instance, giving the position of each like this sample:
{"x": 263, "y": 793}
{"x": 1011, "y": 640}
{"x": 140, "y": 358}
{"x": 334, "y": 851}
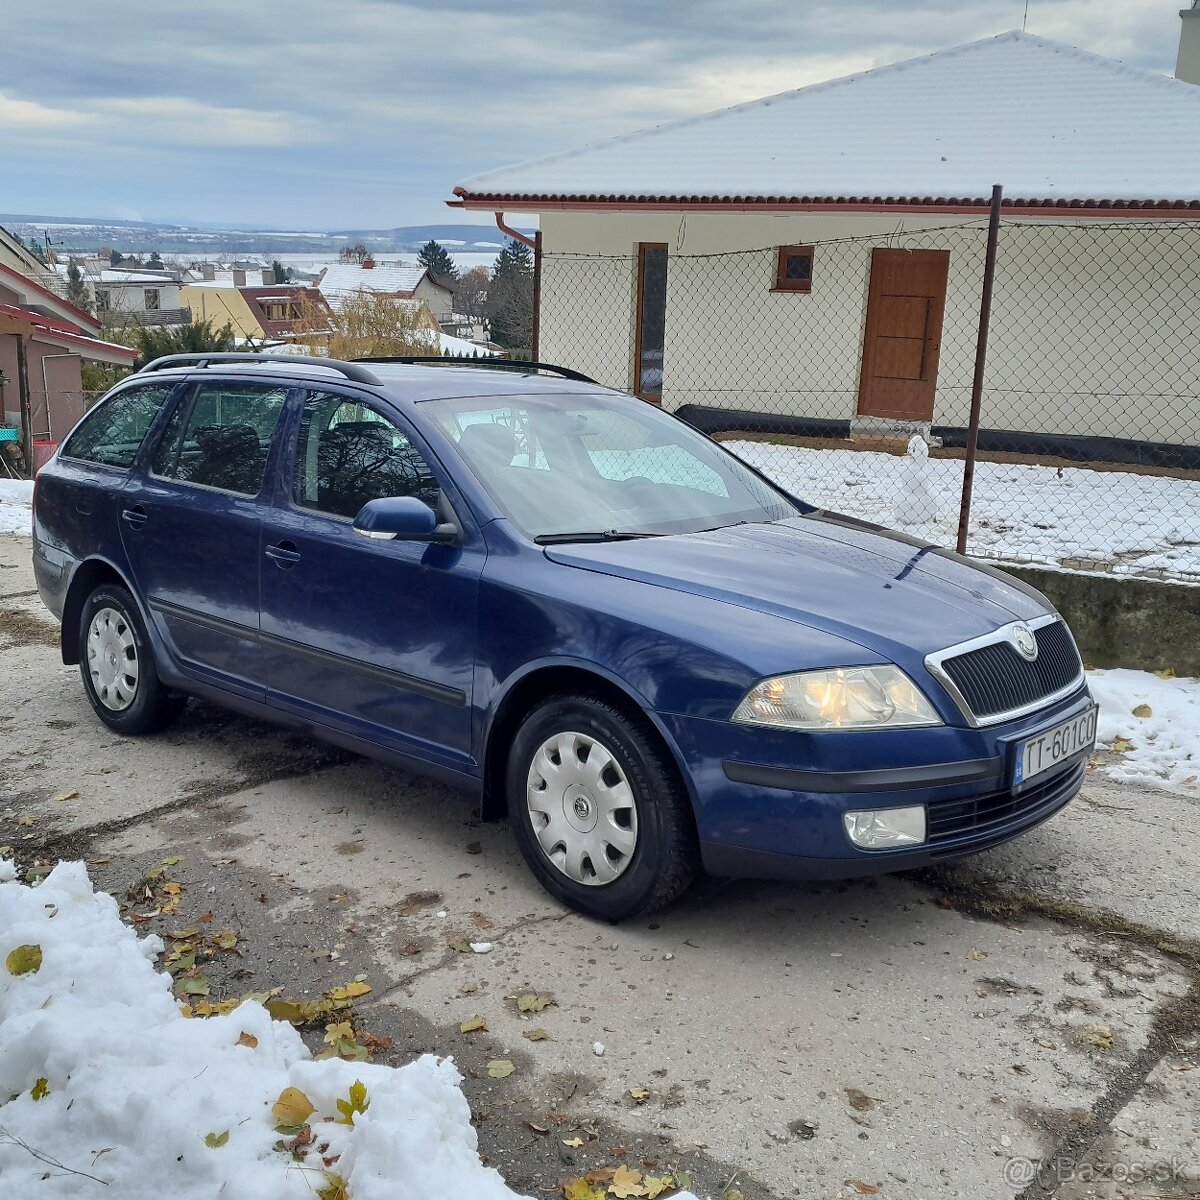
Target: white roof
{"x": 340, "y": 279}
{"x": 1043, "y": 119}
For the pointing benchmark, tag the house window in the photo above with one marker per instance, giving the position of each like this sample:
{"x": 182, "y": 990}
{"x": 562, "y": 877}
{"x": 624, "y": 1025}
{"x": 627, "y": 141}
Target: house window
{"x": 151, "y": 295}
{"x": 651, "y": 325}
{"x": 103, "y": 303}
{"x": 793, "y": 270}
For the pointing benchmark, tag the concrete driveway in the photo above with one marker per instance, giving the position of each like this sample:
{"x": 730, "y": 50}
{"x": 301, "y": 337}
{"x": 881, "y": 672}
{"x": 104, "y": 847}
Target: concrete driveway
{"x": 902, "y": 1037}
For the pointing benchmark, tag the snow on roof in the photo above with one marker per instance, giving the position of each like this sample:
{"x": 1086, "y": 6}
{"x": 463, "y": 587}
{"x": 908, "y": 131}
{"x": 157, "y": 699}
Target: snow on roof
{"x": 395, "y": 279}
{"x": 1047, "y": 121}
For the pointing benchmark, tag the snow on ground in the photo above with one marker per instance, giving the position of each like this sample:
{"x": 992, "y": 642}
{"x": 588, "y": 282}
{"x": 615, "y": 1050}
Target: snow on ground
{"x": 1021, "y": 512}
{"x": 128, "y": 1090}
{"x": 16, "y": 499}
{"x": 1153, "y": 724}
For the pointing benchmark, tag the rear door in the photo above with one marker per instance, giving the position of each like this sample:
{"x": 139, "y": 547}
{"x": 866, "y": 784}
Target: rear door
{"x": 191, "y": 526}
{"x": 373, "y": 637}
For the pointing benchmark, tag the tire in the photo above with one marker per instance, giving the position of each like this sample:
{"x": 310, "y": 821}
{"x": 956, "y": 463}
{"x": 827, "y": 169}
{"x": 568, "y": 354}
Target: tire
{"x": 615, "y": 839}
{"x": 117, "y": 665}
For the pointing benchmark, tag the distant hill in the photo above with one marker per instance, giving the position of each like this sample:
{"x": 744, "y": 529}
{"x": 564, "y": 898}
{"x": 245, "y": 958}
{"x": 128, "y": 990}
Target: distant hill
{"x": 85, "y": 234}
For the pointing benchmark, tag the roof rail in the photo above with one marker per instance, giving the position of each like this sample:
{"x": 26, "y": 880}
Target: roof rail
{"x": 491, "y": 363}
{"x": 348, "y": 369}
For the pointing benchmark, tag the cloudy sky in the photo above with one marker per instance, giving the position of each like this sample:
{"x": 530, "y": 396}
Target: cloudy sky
{"x": 365, "y": 113}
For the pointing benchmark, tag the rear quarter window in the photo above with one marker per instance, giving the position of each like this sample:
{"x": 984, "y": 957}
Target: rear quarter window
{"x": 113, "y": 432}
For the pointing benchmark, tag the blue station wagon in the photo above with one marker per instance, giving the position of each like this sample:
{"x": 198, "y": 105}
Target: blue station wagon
{"x": 647, "y": 655}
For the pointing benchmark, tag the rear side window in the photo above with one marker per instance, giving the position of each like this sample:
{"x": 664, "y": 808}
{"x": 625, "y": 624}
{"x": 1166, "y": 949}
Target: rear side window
{"x": 348, "y": 454}
{"x": 220, "y": 439}
{"x": 113, "y": 432}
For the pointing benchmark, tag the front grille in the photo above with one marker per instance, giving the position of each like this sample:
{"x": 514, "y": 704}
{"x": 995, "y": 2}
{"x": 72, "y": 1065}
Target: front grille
{"x": 995, "y": 679}
{"x": 996, "y": 815}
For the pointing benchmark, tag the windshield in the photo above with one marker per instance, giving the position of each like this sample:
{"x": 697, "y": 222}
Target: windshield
{"x": 602, "y": 465}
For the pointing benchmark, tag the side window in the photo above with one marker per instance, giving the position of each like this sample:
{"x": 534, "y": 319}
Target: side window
{"x": 221, "y": 438}
{"x": 114, "y": 430}
{"x": 348, "y": 453}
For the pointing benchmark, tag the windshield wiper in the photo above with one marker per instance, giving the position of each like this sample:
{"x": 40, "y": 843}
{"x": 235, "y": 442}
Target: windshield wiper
{"x": 594, "y": 535}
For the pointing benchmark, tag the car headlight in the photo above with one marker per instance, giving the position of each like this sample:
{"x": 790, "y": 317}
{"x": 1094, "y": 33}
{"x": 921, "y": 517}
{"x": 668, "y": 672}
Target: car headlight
{"x": 838, "y": 698}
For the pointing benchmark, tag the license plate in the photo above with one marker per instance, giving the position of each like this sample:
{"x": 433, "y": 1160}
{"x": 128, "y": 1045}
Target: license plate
{"x": 1037, "y": 755}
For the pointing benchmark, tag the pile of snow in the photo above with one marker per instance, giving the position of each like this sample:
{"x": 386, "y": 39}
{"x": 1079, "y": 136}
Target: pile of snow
{"x": 129, "y": 1089}
{"x": 16, "y": 506}
{"x": 1131, "y": 524}
{"x": 1153, "y": 724}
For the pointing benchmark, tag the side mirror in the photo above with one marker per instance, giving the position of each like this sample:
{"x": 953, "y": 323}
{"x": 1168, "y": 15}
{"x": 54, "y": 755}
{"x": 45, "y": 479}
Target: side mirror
{"x": 403, "y": 518}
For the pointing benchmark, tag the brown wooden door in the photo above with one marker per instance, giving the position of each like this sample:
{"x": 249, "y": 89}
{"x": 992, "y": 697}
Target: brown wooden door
{"x": 903, "y": 334}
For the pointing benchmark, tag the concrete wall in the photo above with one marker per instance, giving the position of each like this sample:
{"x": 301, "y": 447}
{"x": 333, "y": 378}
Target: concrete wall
{"x": 1092, "y": 327}
{"x": 131, "y": 297}
{"x": 221, "y": 305}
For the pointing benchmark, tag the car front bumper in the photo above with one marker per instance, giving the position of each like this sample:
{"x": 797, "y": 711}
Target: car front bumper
{"x": 769, "y": 804}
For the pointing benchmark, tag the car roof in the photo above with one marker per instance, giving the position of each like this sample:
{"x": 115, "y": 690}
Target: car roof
{"x": 405, "y": 382}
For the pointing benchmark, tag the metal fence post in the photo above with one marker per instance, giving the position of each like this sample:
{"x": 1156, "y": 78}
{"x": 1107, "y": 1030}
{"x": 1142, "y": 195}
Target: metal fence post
{"x": 985, "y": 316}
{"x": 535, "y": 348}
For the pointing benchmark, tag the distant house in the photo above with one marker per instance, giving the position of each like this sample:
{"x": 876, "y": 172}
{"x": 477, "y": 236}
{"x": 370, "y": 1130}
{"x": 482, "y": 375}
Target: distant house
{"x": 275, "y": 312}
{"x": 394, "y": 280}
{"x": 44, "y": 340}
{"x": 819, "y": 253}
{"x": 137, "y": 296}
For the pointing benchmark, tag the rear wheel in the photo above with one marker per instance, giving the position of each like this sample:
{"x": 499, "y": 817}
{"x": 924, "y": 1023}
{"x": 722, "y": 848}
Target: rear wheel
{"x": 599, "y": 811}
{"x": 117, "y": 665}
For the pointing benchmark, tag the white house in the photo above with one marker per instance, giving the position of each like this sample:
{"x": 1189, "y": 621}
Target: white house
{"x": 398, "y": 281}
{"x": 814, "y": 259}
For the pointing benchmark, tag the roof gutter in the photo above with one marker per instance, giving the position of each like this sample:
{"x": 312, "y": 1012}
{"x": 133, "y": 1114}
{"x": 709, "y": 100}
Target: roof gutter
{"x": 512, "y": 233}
{"x": 958, "y": 207}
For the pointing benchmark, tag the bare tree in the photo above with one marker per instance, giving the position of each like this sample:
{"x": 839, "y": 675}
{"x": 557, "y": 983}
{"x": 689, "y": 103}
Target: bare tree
{"x": 368, "y": 324}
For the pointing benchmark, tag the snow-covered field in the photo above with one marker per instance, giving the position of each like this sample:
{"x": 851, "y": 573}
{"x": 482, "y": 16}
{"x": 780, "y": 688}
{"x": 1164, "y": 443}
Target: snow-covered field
{"x": 1118, "y": 521}
{"x": 1153, "y": 725}
{"x": 16, "y": 498}
{"x": 107, "y": 1090}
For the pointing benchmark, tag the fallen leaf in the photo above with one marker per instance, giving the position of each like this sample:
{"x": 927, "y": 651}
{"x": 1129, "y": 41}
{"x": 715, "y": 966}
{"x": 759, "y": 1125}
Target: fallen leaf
{"x": 732, "y": 1194}
{"x": 1121, "y": 745}
{"x": 1168, "y": 673}
{"x": 26, "y": 820}
{"x": 639, "y": 1094}
{"x": 536, "y": 1128}
{"x": 657, "y": 1184}
{"x": 334, "y": 1189}
{"x": 500, "y": 1068}
{"x": 173, "y": 861}
{"x": 226, "y": 939}
{"x": 356, "y": 1103}
{"x": 461, "y": 944}
{"x": 1046, "y": 1044}
{"x": 536, "y": 1035}
{"x": 71, "y": 795}
{"x": 214, "y": 1141}
{"x": 859, "y": 1099}
{"x": 337, "y": 1030}
{"x": 194, "y": 985}
{"x": 580, "y": 1189}
{"x": 24, "y": 960}
{"x": 247, "y": 1039}
{"x": 574, "y": 1142}
{"x": 39, "y": 1089}
{"x": 1190, "y": 780}
{"x": 531, "y": 1002}
{"x": 626, "y": 1182}
{"x": 292, "y": 1108}
{"x": 976, "y": 955}
{"x": 472, "y": 1024}
{"x": 864, "y": 1189}
{"x": 1100, "y": 1036}
{"x": 349, "y": 992}
{"x": 1143, "y": 710}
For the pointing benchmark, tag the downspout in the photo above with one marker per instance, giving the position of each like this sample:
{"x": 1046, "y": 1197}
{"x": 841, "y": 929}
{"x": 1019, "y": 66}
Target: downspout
{"x": 26, "y": 416}
{"x": 512, "y": 233}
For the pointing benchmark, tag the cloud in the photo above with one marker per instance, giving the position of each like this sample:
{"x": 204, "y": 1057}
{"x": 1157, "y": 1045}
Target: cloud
{"x": 185, "y": 121}
{"x": 23, "y": 115}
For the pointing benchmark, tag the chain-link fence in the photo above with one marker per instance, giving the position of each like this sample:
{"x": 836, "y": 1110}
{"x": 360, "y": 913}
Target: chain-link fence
{"x": 821, "y": 363}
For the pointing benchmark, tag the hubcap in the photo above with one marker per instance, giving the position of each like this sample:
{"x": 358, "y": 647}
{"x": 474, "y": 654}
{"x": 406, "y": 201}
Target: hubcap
{"x": 582, "y": 808}
{"x": 112, "y": 659}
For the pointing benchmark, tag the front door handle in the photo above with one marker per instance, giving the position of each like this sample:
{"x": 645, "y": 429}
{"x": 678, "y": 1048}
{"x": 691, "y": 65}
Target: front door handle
{"x": 284, "y": 554}
{"x": 135, "y": 516}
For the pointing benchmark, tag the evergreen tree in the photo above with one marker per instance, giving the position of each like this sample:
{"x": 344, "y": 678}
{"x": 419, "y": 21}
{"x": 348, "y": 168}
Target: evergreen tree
{"x": 198, "y": 337}
{"x": 77, "y": 292}
{"x": 116, "y": 259}
{"x": 437, "y": 262}
{"x": 155, "y": 262}
{"x": 282, "y": 274}
{"x": 510, "y": 299}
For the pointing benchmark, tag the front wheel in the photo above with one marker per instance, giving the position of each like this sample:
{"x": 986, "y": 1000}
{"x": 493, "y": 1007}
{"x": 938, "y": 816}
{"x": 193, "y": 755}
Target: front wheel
{"x": 117, "y": 665}
{"x": 599, "y": 811}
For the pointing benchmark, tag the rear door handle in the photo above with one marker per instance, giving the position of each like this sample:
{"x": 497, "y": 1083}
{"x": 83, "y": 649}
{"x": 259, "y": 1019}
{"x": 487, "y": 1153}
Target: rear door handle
{"x": 135, "y": 516}
{"x": 284, "y": 554}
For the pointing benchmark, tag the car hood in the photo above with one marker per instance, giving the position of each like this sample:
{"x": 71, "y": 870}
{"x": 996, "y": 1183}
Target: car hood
{"x": 868, "y": 585}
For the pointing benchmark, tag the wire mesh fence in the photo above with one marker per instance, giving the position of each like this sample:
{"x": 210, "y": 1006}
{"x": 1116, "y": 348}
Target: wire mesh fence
{"x": 853, "y": 389}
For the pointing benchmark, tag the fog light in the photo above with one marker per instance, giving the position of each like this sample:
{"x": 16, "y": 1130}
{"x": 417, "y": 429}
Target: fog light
{"x": 882, "y": 828}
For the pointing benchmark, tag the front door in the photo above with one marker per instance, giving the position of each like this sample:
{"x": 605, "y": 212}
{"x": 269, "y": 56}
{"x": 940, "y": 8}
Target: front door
{"x": 903, "y": 334}
{"x": 376, "y": 638}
